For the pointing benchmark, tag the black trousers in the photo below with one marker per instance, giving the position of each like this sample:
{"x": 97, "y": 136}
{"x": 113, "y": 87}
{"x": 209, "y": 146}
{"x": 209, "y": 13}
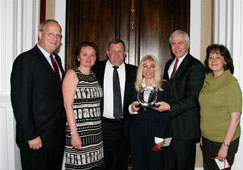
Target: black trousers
{"x": 43, "y": 159}
{"x": 116, "y": 145}
{"x": 210, "y": 149}
{"x": 180, "y": 155}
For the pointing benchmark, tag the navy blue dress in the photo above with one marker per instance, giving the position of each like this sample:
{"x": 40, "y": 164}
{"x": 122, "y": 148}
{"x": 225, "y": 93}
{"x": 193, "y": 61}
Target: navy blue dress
{"x": 147, "y": 124}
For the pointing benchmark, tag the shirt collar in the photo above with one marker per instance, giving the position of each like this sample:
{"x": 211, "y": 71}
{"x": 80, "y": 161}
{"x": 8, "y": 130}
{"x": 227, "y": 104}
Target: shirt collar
{"x": 44, "y": 52}
{"x": 110, "y": 65}
{"x": 182, "y": 58}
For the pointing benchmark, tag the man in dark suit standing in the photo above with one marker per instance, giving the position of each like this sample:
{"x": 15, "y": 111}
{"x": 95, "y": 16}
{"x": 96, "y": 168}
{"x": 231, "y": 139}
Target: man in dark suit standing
{"x": 37, "y": 101}
{"x": 185, "y": 75}
{"x": 115, "y": 113}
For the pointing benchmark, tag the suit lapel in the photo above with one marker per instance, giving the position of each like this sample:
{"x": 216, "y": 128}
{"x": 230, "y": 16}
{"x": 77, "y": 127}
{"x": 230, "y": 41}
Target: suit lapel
{"x": 47, "y": 66}
{"x": 100, "y": 72}
{"x": 127, "y": 85}
{"x": 60, "y": 65}
{"x": 182, "y": 66}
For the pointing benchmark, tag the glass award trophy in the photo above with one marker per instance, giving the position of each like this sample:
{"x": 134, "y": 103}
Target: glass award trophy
{"x": 147, "y": 96}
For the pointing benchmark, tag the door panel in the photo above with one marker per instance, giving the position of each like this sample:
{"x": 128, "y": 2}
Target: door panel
{"x": 144, "y": 26}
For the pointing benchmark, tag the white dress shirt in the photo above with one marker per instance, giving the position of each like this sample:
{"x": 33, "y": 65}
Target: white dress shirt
{"x": 170, "y": 70}
{"x": 47, "y": 56}
{"x": 108, "y": 88}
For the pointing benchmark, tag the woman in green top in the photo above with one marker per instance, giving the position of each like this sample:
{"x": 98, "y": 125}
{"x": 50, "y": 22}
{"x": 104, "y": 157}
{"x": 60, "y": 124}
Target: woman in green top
{"x": 220, "y": 108}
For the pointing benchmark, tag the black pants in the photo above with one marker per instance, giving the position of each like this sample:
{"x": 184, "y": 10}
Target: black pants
{"x": 42, "y": 159}
{"x": 116, "y": 145}
{"x": 180, "y": 155}
{"x": 210, "y": 149}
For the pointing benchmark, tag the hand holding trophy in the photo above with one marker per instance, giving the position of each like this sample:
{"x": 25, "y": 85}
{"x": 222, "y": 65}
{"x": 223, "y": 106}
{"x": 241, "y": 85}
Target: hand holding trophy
{"x": 147, "y": 97}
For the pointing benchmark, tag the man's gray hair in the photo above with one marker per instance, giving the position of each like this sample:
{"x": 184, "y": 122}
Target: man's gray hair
{"x": 177, "y": 32}
{"x": 43, "y": 24}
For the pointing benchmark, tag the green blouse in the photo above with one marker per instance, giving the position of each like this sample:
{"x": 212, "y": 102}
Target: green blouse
{"x": 218, "y": 98}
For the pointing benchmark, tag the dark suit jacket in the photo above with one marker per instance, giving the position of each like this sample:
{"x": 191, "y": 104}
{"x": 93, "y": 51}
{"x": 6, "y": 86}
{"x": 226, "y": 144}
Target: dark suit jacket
{"x": 184, "y": 92}
{"x": 99, "y": 70}
{"x": 37, "y": 100}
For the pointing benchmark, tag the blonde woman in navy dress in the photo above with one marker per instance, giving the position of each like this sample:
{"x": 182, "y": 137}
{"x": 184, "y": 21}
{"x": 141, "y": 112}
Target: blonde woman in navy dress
{"x": 82, "y": 95}
{"x": 149, "y": 125}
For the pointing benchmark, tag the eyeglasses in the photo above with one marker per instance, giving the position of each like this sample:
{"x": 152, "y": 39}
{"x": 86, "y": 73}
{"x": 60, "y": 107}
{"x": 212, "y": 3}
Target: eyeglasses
{"x": 51, "y": 35}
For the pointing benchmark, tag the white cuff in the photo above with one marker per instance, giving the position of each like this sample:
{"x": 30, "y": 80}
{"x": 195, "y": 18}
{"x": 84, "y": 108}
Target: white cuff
{"x": 158, "y": 140}
{"x": 130, "y": 110}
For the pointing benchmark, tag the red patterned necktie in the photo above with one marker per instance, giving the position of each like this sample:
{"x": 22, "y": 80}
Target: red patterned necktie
{"x": 174, "y": 69}
{"x": 56, "y": 70}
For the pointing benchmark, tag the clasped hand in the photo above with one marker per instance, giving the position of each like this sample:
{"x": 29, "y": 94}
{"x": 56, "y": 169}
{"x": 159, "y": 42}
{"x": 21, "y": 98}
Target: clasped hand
{"x": 35, "y": 143}
{"x": 161, "y": 106}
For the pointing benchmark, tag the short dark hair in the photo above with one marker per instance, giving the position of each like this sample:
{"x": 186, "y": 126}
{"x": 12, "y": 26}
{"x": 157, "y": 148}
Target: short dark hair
{"x": 79, "y": 48}
{"x": 224, "y": 52}
{"x": 116, "y": 41}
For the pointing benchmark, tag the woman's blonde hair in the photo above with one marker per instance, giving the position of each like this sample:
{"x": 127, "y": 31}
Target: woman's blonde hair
{"x": 157, "y": 79}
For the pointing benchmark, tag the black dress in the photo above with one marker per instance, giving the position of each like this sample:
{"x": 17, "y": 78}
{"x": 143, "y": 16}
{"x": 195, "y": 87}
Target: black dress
{"x": 86, "y": 107}
{"x": 147, "y": 124}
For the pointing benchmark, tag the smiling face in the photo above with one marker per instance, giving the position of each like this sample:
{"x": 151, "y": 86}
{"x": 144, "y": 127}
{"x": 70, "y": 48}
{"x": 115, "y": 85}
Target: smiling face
{"x": 50, "y": 37}
{"x": 87, "y": 57}
{"x": 179, "y": 45}
{"x": 216, "y": 63}
{"x": 148, "y": 70}
{"x": 116, "y": 54}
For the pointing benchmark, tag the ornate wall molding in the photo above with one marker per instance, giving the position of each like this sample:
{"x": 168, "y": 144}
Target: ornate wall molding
{"x": 228, "y": 24}
{"x": 19, "y": 20}
{"x": 60, "y": 16}
{"x": 195, "y": 28}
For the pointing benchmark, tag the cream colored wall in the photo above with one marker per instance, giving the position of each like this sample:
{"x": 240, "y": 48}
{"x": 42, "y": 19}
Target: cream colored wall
{"x": 206, "y": 39}
{"x": 50, "y": 9}
{"x": 206, "y": 26}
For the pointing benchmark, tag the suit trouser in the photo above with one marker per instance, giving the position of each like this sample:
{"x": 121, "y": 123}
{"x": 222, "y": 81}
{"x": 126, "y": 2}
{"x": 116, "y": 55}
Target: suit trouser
{"x": 180, "y": 155}
{"x": 210, "y": 149}
{"x": 43, "y": 159}
{"x": 116, "y": 145}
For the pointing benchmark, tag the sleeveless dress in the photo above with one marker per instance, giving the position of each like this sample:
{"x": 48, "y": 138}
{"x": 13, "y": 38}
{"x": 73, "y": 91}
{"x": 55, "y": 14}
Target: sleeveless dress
{"x": 86, "y": 107}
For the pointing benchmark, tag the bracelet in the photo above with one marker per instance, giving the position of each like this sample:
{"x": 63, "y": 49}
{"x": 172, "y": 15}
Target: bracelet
{"x": 73, "y": 132}
{"x": 226, "y": 144}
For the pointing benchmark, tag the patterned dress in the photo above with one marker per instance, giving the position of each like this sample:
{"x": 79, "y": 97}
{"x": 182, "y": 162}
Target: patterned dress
{"x": 86, "y": 107}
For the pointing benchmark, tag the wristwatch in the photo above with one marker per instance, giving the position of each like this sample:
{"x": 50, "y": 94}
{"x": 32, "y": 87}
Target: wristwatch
{"x": 226, "y": 144}
{"x": 73, "y": 132}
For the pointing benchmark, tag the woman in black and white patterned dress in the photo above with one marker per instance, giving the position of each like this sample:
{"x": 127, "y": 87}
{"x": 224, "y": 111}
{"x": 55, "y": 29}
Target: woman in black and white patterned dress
{"x": 82, "y": 95}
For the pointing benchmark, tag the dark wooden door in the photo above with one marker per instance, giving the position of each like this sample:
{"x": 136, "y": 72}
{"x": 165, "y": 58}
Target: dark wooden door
{"x": 144, "y": 25}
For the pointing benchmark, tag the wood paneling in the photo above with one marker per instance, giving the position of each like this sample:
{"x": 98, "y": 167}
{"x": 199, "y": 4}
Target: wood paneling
{"x": 42, "y": 10}
{"x": 145, "y": 30}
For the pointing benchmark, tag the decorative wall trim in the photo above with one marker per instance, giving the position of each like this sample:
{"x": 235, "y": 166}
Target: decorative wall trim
{"x": 228, "y": 31}
{"x": 19, "y": 20}
{"x": 195, "y": 28}
{"x": 237, "y": 50}
{"x": 60, "y": 16}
